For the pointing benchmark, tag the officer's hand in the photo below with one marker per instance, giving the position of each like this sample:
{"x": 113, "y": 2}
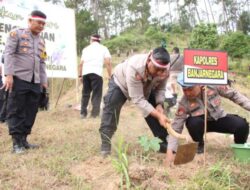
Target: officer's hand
{"x": 163, "y": 120}
{"x": 45, "y": 85}
{"x": 170, "y": 158}
{"x": 80, "y": 79}
{"x": 8, "y": 84}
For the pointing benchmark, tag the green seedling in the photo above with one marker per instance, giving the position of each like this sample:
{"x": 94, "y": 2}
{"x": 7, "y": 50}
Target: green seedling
{"x": 120, "y": 163}
{"x": 148, "y": 145}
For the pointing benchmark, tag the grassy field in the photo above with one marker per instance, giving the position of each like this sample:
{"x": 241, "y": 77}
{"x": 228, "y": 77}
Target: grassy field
{"x": 69, "y": 155}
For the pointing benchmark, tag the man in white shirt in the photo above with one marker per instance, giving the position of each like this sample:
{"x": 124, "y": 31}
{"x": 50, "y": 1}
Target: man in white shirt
{"x": 91, "y": 72}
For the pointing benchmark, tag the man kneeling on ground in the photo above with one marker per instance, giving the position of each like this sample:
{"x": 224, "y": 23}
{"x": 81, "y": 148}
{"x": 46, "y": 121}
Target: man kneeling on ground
{"x": 191, "y": 112}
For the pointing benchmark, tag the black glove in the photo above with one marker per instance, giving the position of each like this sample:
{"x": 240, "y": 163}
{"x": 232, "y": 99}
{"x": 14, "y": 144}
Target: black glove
{"x": 44, "y": 99}
{"x": 171, "y": 101}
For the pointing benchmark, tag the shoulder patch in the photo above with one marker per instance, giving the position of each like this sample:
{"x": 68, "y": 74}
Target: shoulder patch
{"x": 210, "y": 92}
{"x": 180, "y": 111}
{"x": 223, "y": 88}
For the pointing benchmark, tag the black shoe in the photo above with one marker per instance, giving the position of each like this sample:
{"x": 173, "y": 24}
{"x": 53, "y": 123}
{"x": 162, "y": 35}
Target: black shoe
{"x": 18, "y": 147}
{"x": 163, "y": 147}
{"x": 28, "y": 145}
{"x": 83, "y": 116}
{"x": 94, "y": 116}
{"x": 105, "y": 149}
{"x": 200, "y": 149}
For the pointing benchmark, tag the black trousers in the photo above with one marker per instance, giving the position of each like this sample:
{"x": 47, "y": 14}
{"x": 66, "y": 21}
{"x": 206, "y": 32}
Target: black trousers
{"x": 232, "y": 124}
{"x": 91, "y": 83}
{"x": 3, "y": 97}
{"x": 113, "y": 102}
{"x": 3, "y": 104}
{"x": 22, "y": 107}
{"x": 158, "y": 130}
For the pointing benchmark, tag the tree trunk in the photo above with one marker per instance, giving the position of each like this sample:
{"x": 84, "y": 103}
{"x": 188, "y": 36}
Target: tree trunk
{"x": 198, "y": 15}
{"x": 170, "y": 14}
{"x": 225, "y": 16}
{"x": 206, "y": 11}
{"x": 211, "y": 10}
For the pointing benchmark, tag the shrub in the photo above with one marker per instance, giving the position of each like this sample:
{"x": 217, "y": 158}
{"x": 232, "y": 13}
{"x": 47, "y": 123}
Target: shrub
{"x": 236, "y": 44}
{"x": 154, "y": 34}
{"x": 204, "y": 36}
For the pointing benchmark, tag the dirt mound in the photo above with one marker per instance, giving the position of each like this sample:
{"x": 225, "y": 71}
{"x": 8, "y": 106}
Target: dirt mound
{"x": 148, "y": 177}
{"x": 139, "y": 173}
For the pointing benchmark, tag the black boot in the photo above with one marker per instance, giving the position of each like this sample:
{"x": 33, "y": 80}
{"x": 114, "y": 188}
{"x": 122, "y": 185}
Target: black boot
{"x": 18, "y": 147}
{"x": 200, "y": 149}
{"x": 105, "y": 149}
{"x": 106, "y": 145}
{"x": 163, "y": 147}
{"x": 26, "y": 144}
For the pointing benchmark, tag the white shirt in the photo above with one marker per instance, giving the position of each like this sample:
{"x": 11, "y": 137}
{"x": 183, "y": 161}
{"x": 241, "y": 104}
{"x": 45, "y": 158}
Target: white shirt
{"x": 93, "y": 58}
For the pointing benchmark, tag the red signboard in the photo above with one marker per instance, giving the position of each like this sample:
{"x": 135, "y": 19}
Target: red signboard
{"x": 205, "y": 66}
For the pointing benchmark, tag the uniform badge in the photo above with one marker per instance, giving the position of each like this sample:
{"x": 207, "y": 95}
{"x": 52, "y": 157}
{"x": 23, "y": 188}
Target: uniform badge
{"x": 180, "y": 111}
{"x": 13, "y": 34}
{"x": 43, "y": 55}
{"x": 193, "y": 104}
{"x": 217, "y": 101}
{"x": 198, "y": 113}
{"x": 223, "y": 88}
{"x": 24, "y": 50}
{"x": 210, "y": 92}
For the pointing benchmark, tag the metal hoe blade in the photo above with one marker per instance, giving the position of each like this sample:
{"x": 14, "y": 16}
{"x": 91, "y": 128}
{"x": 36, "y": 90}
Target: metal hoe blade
{"x": 185, "y": 153}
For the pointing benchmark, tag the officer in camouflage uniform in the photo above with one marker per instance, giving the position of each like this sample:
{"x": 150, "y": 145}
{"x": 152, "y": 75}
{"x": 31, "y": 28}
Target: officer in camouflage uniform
{"x": 25, "y": 71}
{"x": 191, "y": 112}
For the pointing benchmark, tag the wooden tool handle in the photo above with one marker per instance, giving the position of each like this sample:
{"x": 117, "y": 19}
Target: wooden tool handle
{"x": 174, "y": 133}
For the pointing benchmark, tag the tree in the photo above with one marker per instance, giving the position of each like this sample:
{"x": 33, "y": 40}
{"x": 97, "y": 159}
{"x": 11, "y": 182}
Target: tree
{"x": 243, "y": 23}
{"x": 54, "y": 1}
{"x": 204, "y": 36}
{"x": 77, "y": 5}
{"x": 236, "y": 44}
{"x": 85, "y": 27}
{"x": 140, "y": 13}
{"x": 184, "y": 19}
{"x": 193, "y": 4}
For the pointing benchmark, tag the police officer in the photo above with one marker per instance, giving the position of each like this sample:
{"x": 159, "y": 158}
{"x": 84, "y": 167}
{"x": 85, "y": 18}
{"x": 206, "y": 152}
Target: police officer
{"x": 24, "y": 68}
{"x": 191, "y": 112}
{"x": 141, "y": 79}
